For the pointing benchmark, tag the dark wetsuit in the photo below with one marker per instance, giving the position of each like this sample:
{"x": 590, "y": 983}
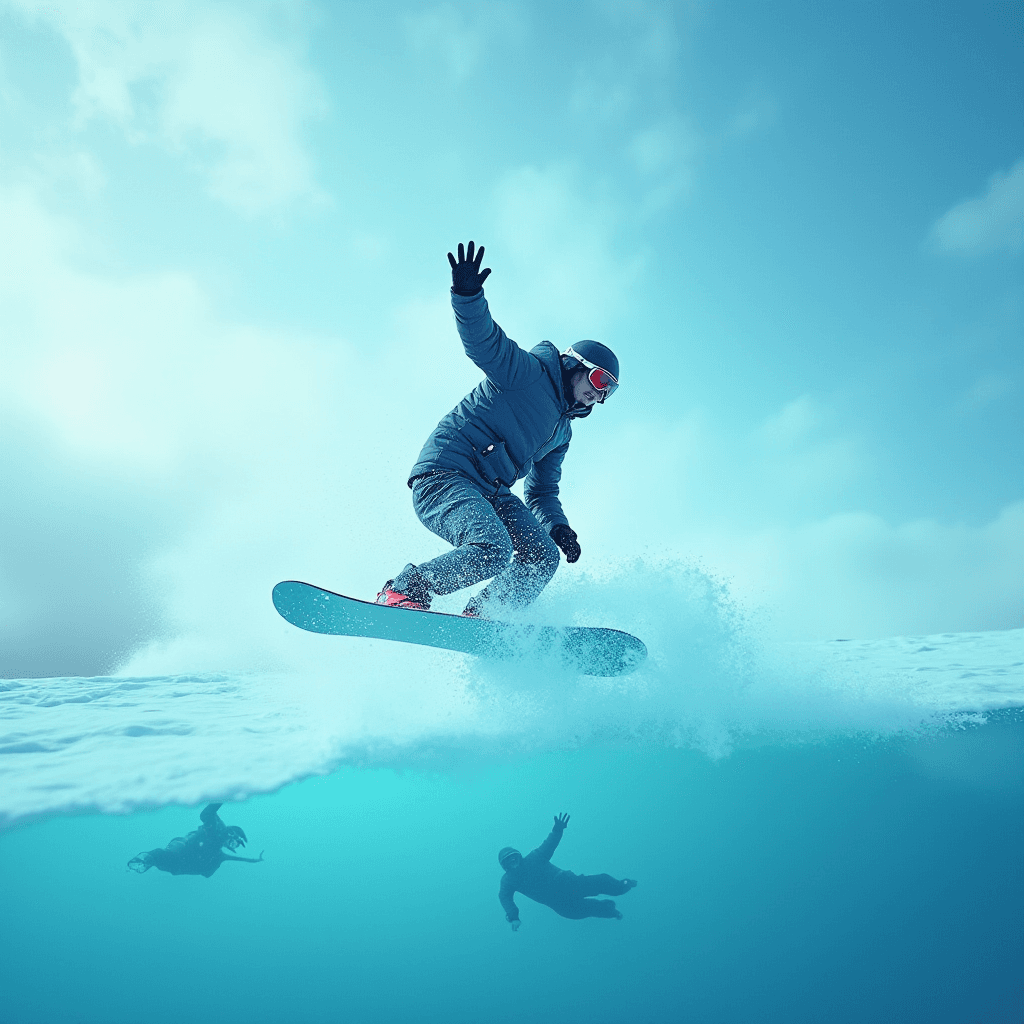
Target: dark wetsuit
{"x": 563, "y": 891}
{"x": 198, "y": 853}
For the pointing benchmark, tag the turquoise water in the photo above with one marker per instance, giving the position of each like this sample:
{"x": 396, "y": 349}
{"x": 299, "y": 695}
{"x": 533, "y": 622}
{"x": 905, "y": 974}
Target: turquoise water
{"x": 847, "y": 879}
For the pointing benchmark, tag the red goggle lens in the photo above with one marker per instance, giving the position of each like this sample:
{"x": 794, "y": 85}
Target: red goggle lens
{"x": 601, "y": 379}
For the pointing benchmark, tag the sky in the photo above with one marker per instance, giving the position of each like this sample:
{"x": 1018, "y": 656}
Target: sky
{"x": 225, "y": 329}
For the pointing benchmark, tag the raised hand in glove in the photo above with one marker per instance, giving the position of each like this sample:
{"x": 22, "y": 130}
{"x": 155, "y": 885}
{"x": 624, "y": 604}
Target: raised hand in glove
{"x": 466, "y": 276}
{"x": 565, "y": 537}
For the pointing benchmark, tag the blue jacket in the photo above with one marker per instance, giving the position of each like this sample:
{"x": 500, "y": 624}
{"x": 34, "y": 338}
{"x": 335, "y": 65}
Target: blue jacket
{"x": 537, "y": 878}
{"x": 513, "y": 424}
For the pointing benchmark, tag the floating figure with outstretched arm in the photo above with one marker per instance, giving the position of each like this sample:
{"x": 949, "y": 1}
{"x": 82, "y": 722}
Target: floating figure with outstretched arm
{"x": 200, "y": 852}
{"x": 565, "y": 892}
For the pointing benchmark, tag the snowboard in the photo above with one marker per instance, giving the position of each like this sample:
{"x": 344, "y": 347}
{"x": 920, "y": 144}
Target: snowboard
{"x": 589, "y": 650}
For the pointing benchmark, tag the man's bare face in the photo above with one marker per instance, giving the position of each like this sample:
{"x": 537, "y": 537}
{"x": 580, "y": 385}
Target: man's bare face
{"x": 583, "y": 391}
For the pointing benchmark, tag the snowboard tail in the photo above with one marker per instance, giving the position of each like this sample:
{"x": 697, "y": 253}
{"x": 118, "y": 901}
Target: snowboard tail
{"x": 590, "y": 650}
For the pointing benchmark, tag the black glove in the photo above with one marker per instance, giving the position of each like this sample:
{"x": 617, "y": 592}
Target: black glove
{"x": 466, "y": 276}
{"x": 565, "y": 537}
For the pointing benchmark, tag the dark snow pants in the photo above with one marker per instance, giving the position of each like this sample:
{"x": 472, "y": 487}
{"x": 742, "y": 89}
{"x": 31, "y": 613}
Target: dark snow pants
{"x": 574, "y": 904}
{"x": 495, "y": 537}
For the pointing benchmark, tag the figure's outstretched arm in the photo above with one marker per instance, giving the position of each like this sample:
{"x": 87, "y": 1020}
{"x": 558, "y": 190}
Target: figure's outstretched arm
{"x": 245, "y": 860}
{"x": 548, "y": 847}
{"x": 504, "y": 362}
{"x": 209, "y": 814}
{"x": 506, "y": 896}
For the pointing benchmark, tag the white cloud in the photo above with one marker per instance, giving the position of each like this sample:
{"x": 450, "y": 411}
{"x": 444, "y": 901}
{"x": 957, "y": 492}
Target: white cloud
{"x": 559, "y": 247}
{"x": 456, "y": 39}
{"x": 150, "y": 439}
{"x": 798, "y": 455}
{"x": 854, "y": 575}
{"x": 78, "y": 169}
{"x": 445, "y": 34}
{"x": 992, "y": 222}
{"x": 692, "y": 474}
{"x": 776, "y": 511}
{"x": 664, "y": 155}
{"x": 217, "y": 83}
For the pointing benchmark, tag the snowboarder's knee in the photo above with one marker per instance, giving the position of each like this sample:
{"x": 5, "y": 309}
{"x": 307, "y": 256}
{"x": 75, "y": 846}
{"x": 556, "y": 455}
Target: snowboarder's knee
{"x": 496, "y": 553}
{"x": 545, "y": 556}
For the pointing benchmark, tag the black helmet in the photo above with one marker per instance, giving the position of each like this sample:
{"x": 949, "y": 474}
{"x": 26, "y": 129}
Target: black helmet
{"x": 600, "y": 362}
{"x": 505, "y": 853}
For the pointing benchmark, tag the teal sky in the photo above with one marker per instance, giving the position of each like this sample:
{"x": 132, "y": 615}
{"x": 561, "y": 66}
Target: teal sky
{"x": 224, "y": 329}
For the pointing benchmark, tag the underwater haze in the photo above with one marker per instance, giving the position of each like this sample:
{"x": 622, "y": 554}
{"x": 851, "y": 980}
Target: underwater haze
{"x": 226, "y": 332}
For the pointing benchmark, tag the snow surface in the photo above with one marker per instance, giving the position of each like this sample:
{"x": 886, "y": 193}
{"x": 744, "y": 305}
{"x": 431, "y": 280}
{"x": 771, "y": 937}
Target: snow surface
{"x": 115, "y": 744}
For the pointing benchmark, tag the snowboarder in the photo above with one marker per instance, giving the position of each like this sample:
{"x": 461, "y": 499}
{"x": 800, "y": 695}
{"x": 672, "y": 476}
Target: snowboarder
{"x": 198, "y": 853}
{"x": 515, "y": 424}
{"x": 564, "y": 892}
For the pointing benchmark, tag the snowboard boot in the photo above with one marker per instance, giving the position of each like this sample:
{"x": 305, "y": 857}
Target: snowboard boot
{"x": 406, "y": 590}
{"x": 471, "y": 611}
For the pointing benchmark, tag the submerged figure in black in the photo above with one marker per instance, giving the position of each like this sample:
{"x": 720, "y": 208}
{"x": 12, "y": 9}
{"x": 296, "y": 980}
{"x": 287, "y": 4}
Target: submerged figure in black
{"x": 564, "y": 892}
{"x": 200, "y": 852}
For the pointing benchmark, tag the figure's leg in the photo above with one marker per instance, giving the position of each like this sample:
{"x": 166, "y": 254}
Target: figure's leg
{"x": 209, "y": 814}
{"x": 163, "y": 859}
{"x": 450, "y": 506}
{"x": 576, "y": 910}
{"x": 598, "y": 885}
{"x": 536, "y": 559}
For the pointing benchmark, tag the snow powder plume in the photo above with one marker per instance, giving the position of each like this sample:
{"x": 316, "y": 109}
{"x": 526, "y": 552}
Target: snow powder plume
{"x": 282, "y": 704}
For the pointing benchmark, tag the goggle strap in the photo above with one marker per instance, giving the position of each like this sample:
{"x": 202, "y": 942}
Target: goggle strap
{"x": 590, "y": 368}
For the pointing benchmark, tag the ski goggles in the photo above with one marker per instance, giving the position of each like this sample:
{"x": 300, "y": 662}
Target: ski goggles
{"x": 599, "y": 377}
